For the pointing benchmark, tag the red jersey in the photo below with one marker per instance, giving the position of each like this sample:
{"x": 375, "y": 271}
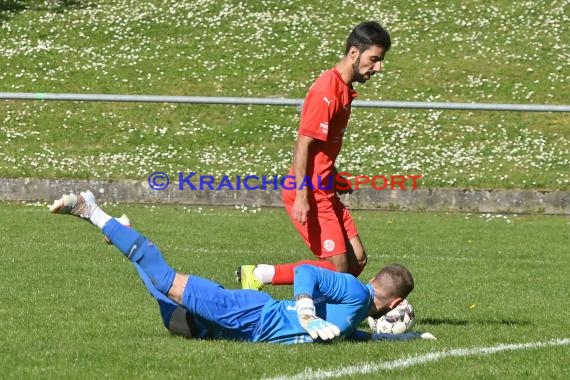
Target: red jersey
{"x": 324, "y": 117}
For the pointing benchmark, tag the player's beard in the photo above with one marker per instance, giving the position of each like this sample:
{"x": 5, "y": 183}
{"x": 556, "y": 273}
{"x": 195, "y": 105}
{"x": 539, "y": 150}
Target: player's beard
{"x": 356, "y": 69}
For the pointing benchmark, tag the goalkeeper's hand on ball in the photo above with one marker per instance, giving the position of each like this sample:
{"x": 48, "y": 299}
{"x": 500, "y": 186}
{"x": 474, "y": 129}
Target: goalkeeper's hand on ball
{"x": 315, "y": 326}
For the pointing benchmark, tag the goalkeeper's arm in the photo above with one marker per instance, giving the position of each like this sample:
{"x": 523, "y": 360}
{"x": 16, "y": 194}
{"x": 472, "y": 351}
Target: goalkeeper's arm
{"x": 315, "y": 326}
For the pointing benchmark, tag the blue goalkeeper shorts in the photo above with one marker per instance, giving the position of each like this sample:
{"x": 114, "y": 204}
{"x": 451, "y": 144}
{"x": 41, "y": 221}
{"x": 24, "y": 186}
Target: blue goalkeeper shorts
{"x": 216, "y": 312}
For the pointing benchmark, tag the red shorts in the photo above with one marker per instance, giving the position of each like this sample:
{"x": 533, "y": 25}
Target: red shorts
{"x": 329, "y": 227}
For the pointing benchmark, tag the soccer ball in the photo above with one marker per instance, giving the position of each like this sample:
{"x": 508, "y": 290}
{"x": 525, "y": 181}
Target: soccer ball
{"x": 396, "y": 321}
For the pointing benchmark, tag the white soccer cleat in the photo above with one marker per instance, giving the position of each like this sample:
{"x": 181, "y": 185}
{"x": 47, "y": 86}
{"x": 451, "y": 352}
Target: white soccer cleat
{"x": 81, "y": 206}
{"x": 125, "y": 221}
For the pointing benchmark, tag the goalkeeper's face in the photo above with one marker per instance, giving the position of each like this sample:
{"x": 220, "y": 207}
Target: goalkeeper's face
{"x": 378, "y": 309}
{"x": 383, "y": 303}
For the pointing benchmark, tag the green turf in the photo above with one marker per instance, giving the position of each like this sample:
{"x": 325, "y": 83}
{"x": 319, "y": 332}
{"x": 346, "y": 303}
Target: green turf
{"x": 73, "y": 307}
{"x": 477, "y": 51}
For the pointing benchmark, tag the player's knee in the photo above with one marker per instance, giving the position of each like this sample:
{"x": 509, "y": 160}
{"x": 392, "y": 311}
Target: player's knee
{"x": 166, "y": 312}
{"x": 174, "y": 319}
{"x": 178, "y": 323}
{"x": 356, "y": 270}
{"x": 341, "y": 265}
{"x": 358, "y": 264}
{"x": 343, "y": 268}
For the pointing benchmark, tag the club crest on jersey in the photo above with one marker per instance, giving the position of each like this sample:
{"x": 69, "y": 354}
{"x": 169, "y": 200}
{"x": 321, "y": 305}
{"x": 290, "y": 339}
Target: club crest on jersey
{"x": 324, "y": 128}
{"x": 329, "y": 245}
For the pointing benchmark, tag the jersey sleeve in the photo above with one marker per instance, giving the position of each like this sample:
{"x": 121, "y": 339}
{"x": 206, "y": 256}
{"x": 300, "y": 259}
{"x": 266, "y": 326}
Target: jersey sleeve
{"x": 318, "y": 109}
{"x": 319, "y": 282}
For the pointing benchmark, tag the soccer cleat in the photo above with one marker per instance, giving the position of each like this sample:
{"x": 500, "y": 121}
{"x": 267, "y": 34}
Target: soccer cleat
{"x": 81, "y": 206}
{"x": 244, "y": 275}
{"x": 125, "y": 221}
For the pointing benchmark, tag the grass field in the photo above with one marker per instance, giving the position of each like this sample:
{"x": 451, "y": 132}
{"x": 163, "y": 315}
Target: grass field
{"x": 72, "y": 307}
{"x": 486, "y": 51}
{"x": 493, "y": 289}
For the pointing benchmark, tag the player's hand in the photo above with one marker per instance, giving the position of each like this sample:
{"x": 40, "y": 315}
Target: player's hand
{"x": 319, "y": 328}
{"x": 315, "y": 326}
{"x": 301, "y": 209}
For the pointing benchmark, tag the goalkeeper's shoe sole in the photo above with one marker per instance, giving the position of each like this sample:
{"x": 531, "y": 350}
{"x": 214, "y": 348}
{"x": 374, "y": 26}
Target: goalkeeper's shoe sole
{"x": 245, "y": 276}
{"x": 81, "y": 205}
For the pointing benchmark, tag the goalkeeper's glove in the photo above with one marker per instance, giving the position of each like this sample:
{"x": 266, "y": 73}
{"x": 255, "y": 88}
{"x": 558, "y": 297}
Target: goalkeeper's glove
{"x": 315, "y": 326}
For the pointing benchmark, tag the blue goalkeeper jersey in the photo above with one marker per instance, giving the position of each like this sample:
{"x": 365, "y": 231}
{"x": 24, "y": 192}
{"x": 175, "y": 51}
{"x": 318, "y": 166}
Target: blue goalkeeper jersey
{"x": 339, "y": 298}
{"x": 213, "y": 312}
{"x": 248, "y": 315}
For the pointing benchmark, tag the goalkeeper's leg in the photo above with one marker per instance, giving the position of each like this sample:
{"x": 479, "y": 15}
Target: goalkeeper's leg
{"x": 204, "y": 299}
{"x": 175, "y": 318}
{"x": 133, "y": 245}
{"x": 162, "y": 282}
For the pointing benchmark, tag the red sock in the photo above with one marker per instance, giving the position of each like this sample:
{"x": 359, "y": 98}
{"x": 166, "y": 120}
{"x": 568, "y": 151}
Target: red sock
{"x": 284, "y": 273}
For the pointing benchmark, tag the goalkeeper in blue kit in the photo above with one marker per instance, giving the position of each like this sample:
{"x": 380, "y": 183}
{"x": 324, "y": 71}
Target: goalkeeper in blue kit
{"x": 327, "y": 305}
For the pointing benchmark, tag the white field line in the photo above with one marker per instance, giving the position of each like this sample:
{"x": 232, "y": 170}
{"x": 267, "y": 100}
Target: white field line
{"x": 415, "y": 360}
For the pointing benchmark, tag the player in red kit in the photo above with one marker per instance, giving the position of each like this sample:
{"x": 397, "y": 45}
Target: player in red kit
{"x": 311, "y": 199}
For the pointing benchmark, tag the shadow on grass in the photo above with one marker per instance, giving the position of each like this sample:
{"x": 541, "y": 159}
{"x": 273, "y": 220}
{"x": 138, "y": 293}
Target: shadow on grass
{"x": 463, "y": 322}
{"x": 9, "y": 8}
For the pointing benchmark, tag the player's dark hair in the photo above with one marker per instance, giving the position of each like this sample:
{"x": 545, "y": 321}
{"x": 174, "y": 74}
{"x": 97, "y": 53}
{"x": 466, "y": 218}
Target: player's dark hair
{"x": 367, "y": 34}
{"x": 397, "y": 279}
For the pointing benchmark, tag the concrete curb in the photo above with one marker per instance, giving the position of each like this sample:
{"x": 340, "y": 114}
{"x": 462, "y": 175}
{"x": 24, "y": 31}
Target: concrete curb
{"x": 130, "y": 191}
